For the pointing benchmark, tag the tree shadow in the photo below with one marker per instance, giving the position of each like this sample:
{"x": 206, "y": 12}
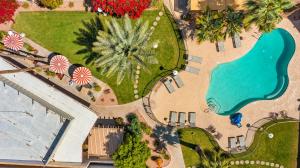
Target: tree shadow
{"x": 114, "y": 140}
{"x": 166, "y": 135}
{"x": 86, "y": 36}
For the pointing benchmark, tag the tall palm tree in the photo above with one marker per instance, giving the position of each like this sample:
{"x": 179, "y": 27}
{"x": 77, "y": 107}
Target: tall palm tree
{"x": 215, "y": 158}
{"x": 122, "y": 48}
{"x": 210, "y": 26}
{"x": 233, "y": 21}
{"x": 265, "y": 14}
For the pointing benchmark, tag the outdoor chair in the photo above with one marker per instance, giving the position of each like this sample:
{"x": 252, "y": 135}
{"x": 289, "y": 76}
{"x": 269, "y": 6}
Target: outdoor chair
{"x": 283, "y": 114}
{"x": 232, "y": 143}
{"x": 195, "y": 59}
{"x": 168, "y": 85}
{"x": 181, "y": 119}
{"x": 192, "y": 70}
{"x": 236, "y": 40}
{"x": 172, "y": 117}
{"x": 218, "y": 135}
{"x": 211, "y": 129}
{"x": 220, "y": 46}
{"x": 241, "y": 141}
{"x": 192, "y": 119}
{"x": 178, "y": 80}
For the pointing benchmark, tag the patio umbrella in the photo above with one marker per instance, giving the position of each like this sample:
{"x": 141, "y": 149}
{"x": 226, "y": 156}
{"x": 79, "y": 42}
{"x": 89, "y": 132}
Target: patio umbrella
{"x": 13, "y": 41}
{"x": 82, "y": 76}
{"x": 59, "y": 64}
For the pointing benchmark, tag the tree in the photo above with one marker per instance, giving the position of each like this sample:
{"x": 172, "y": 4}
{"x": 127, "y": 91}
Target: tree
{"x": 265, "y": 14}
{"x": 122, "y": 48}
{"x": 134, "y": 8}
{"x": 233, "y": 21}
{"x": 215, "y": 158}
{"x": 135, "y": 127}
{"x": 132, "y": 153}
{"x": 51, "y": 4}
{"x": 146, "y": 128}
{"x": 7, "y": 10}
{"x": 210, "y": 26}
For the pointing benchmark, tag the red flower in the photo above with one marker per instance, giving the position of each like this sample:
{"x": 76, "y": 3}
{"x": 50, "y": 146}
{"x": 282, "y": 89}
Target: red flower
{"x": 134, "y": 8}
{"x": 7, "y": 10}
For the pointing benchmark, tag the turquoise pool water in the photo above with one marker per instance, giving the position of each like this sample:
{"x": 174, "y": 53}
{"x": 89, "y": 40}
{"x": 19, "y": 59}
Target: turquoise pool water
{"x": 261, "y": 74}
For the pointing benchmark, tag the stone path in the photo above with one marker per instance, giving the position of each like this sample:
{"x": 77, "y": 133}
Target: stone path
{"x": 256, "y": 162}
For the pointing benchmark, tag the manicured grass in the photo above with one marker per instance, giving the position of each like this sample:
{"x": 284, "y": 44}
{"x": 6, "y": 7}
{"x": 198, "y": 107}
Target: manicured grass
{"x": 282, "y": 149}
{"x": 56, "y": 32}
{"x": 189, "y": 139}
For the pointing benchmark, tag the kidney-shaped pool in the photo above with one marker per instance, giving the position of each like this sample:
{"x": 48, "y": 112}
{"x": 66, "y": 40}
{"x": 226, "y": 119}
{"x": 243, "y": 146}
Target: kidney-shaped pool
{"x": 261, "y": 74}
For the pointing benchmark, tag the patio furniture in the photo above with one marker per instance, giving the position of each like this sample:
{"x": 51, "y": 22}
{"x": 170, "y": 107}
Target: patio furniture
{"x": 283, "y": 114}
{"x": 195, "y": 59}
{"x": 241, "y": 141}
{"x": 178, "y": 80}
{"x": 211, "y": 129}
{"x": 192, "y": 119}
{"x": 232, "y": 143}
{"x": 181, "y": 119}
{"x": 218, "y": 135}
{"x": 220, "y": 46}
{"x": 236, "y": 40}
{"x": 192, "y": 70}
{"x": 172, "y": 117}
{"x": 168, "y": 85}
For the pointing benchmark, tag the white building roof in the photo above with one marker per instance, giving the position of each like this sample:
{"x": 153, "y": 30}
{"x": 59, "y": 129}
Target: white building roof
{"x": 69, "y": 148}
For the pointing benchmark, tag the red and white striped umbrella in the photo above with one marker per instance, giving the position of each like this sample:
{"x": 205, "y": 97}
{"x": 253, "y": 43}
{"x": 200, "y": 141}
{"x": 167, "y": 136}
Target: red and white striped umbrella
{"x": 14, "y": 41}
{"x": 59, "y": 64}
{"x": 82, "y": 76}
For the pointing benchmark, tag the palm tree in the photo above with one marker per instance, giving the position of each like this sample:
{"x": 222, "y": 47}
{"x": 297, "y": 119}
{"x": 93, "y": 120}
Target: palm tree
{"x": 122, "y": 48}
{"x": 215, "y": 158}
{"x": 265, "y": 14}
{"x": 210, "y": 26}
{"x": 233, "y": 21}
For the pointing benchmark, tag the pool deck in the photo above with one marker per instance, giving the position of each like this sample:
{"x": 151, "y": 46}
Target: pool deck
{"x": 191, "y": 97}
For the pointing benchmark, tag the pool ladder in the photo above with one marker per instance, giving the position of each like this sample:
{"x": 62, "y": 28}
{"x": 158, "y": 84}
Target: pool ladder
{"x": 213, "y": 105}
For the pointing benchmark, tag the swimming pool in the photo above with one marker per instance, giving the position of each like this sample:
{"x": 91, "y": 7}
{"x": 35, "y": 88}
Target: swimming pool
{"x": 261, "y": 74}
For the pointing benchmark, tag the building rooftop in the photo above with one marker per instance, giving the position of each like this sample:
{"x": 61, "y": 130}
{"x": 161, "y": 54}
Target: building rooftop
{"x": 82, "y": 119}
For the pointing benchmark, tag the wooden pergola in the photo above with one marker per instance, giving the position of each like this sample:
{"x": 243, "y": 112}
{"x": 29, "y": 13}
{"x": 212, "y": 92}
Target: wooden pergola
{"x": 216, "y": 4}
{"x": 104, "y": 141}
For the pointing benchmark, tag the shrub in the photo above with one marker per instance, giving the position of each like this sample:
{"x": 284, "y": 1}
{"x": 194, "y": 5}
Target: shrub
{"x": 96, "y": 87}
{"x": 29, "y": 47}
{"x": 134, "y": 8}
{"x": 25, "y": 5}
{"x": 50, "y": 73}
{"x": 146, "y": 128}
{"x": 119, "y": 121}
{"x": 51, "y": 4}
{"x": 71, "y": 4}
{"x": 7, "y": 10}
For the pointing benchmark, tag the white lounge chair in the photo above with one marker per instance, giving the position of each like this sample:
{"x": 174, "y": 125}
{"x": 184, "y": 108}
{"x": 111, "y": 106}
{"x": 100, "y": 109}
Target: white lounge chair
{"x": 236, "y": 40}
{"x": 241, "y": 141}
{"x": 173, "y": 117}
{"x": 178, "y": 80}
{"x": 192, "y": 119}
{"x": 195, "y": 59}
{"x": 168, "y": 85}
{"x": 192, "y": 70}
{"x": 181, "y": 119}
{"x": 220, "y": 46}
{"x": 232, "y": 143}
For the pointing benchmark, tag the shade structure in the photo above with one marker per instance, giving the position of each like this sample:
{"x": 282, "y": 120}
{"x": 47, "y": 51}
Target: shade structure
{"x": 59, "y": 64}
{"x": 13, "y": 41}
{"x": 82, "y": 76}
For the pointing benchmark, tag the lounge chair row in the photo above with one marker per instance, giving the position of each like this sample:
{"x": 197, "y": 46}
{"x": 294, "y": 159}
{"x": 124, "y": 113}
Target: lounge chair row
{"x": 236, "y": 143}
{"x": 168, "y": 83}
{"x": 191, "y": 69}
{"x": 236, "y": 40}
{"x": 181, "y": 119}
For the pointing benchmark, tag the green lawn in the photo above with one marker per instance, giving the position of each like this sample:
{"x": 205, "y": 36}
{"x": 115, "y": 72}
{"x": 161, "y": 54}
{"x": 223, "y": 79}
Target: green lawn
{"x": 282, "y": 149}
{"x": 56, "y": 32}
{"x": 189, "y": 138}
